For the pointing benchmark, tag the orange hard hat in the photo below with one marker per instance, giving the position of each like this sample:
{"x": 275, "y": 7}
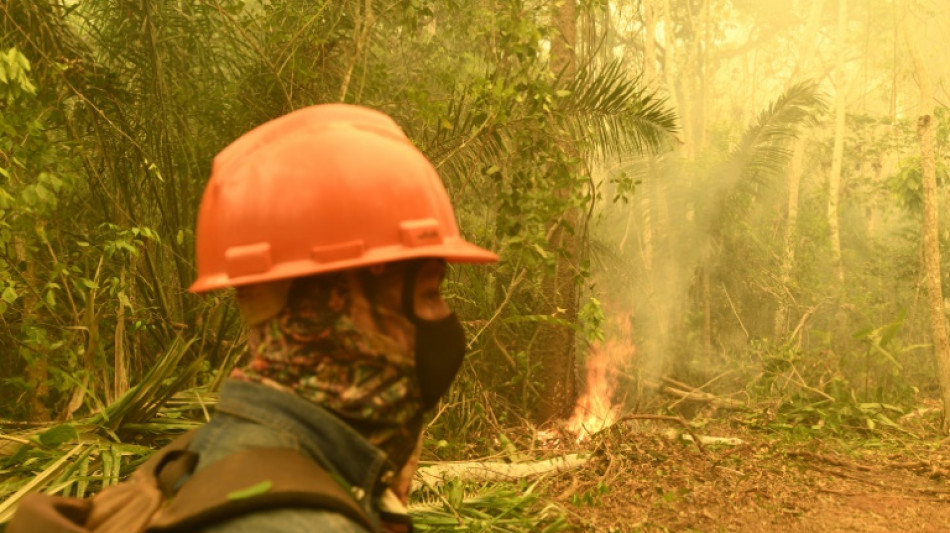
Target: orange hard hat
{"x": 325, "y": 188}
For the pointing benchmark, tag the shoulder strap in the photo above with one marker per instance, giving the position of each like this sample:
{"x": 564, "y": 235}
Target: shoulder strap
{"x": 247, "y": 481}
{"x": 121, "y": 508}
{"x": 254, "y": 480}
{"x": 49, "y": 514}
{"x": 127, "y": 507}
{"x": 167, "y": 465}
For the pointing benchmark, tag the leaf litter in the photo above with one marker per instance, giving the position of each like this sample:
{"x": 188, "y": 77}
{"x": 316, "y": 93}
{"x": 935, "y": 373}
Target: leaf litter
{"x": 639, "y": 479}
{"x": 644, "y": 473}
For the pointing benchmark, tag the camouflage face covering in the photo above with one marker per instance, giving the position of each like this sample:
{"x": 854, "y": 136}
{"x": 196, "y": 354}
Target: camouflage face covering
{"x": 334, "y": 346}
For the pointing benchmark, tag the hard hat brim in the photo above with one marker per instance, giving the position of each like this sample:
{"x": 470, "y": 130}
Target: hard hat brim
{"x": 453, "y": 251}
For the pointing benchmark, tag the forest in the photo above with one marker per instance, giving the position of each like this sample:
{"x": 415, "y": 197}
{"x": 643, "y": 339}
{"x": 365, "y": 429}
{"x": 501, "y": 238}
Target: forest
{"x": 723, "y": 296}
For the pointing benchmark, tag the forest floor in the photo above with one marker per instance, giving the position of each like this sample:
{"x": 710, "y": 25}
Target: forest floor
{"x": 640, "y": 479}
{"x": 643, "y": 474}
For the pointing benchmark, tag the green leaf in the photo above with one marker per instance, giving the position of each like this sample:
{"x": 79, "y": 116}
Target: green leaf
{"x": 541, "y": 251}
{"x": 254, "y": 490}
{"x": 885, "y": 420}
{"x": 5, "y": 199}
{"x": 21, "y": 59}
{"x": 43, "y": 193}
{"x": 57, "y": 435}
{"x": 28, "y": 196}
{"x": 9, "y": 295}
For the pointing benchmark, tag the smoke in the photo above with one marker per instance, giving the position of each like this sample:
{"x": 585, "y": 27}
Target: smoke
{"x": 648, "y": 256}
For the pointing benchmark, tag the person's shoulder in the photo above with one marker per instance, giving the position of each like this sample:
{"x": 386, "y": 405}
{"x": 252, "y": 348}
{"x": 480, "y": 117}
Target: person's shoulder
{"x": 293, "y": 520}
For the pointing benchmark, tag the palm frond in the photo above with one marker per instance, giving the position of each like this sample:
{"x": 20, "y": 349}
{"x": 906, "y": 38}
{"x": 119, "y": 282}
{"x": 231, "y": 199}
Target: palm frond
{"x": 614, "y": 115}
{"x": 604, "y": 112}
{"x": 489, "y": 507}
{"x": 766, "y": 145}
{"x": 143, "y": 400}
{"x": 49, "y": 472}
{"x": 78, "y": 460}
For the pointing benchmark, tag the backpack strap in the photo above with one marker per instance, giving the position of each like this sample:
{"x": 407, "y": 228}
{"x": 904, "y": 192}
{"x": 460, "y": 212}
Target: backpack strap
{"x": 127, "y": 506}
{"x": 121, "y": 508}
{"x": 50, "y": 514}
{"x": 151, "y": 500}
{"x": 254, "y": 480}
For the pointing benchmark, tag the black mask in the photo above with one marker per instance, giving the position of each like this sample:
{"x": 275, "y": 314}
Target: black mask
{"x": 440, "y": 345}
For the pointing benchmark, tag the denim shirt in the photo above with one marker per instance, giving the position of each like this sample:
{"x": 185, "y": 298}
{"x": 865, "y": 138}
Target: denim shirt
{"x": 250, "y": 415}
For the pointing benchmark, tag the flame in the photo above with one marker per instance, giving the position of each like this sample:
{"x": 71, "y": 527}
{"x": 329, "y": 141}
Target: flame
{"x": 595, "y": 409}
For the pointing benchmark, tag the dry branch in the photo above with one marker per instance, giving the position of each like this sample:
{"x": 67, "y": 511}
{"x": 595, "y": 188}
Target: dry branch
{"x": 678, "y": 419}
{"x": 704, "y": 439}
{"x": 439, "y": 473}
{"x": 684, "y": 392}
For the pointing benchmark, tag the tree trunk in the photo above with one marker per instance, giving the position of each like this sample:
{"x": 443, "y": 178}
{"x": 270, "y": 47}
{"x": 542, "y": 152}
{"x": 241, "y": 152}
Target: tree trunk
{"x": 37, "y": 370}
{"x": 707, "y": 316}
{"x": 931, "y": 223}
{"x": 649, "y": 43}
{"x": 805, "y": 51}
{"x": 807, "y": 46}
{"x": 834, "y": 179}
{"x": 557, "y": 343}
{"x": 668, "y": 44}
{"x": 705, "y": 85}
{"x": 788, "y": 244}
{"x": 649, "y": 79}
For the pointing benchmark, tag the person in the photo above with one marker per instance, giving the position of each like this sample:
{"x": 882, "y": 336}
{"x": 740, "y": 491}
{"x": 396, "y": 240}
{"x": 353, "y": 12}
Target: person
{"x": 335, "y": 232}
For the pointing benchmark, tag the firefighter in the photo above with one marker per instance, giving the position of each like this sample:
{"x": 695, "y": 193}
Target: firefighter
{"x": 334, "y": 231}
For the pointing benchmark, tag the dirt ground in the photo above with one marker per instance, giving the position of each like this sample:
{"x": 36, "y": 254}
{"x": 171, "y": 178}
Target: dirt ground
{"x": 644, "y": 479}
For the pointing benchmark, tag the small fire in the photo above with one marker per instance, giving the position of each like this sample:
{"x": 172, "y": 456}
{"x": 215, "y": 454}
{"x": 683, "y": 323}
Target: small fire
{"x": 595, "y": 410}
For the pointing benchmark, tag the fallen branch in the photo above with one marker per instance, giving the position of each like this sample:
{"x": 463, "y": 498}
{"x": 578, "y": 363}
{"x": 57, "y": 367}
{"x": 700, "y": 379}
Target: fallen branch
{"x": 703, "y": 386}
{"x": 705, "y": 439}
{"x": 678, "y": 419}
{"x": 18, "y": 424}
{"x": 439, "y": 473}
{"x": 13, "y": 439}
{"x": 684, "y": 392}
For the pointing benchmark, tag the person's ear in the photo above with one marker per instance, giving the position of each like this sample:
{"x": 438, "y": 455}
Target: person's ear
{"x": 262, "y": 301}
